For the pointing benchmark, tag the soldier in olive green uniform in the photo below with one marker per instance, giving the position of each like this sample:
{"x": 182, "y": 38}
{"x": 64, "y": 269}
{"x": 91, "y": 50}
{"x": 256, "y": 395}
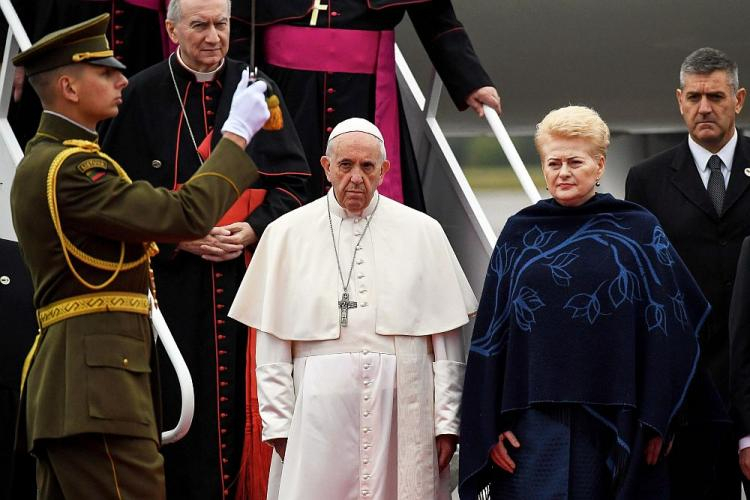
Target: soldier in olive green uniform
{"x": 83, "y": 229}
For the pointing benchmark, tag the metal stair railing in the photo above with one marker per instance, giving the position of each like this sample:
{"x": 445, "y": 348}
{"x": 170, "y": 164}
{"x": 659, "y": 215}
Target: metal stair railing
{"x": 448, "y": 195}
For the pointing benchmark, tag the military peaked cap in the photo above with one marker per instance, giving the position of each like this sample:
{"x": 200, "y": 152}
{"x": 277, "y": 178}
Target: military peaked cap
{"x": 83, "y": 42}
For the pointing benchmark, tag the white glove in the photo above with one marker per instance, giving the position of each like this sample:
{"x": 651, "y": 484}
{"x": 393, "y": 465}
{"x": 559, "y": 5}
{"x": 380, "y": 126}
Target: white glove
{"x": 249, "y": 110}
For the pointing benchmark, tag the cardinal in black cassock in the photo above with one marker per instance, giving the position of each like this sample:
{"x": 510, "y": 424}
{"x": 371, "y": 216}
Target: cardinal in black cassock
{"x": 155, "y": 141}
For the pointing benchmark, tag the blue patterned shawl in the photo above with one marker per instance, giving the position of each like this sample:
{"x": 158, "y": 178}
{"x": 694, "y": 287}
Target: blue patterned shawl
{"x": 588, "y": 305}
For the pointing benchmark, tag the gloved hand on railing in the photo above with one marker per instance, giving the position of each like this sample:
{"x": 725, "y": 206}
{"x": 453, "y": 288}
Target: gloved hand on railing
{"x": 249, "y": 109}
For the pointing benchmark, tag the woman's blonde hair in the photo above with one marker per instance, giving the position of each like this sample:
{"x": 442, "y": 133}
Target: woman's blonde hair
{"x": 573, "y": 122}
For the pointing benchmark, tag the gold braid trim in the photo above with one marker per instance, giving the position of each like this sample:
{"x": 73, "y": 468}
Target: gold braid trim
{"x": 82, "y": 56}
{"x": 91, "y": 303}
{"x": 78, "y": 146}
{"x": 220, "y": 176}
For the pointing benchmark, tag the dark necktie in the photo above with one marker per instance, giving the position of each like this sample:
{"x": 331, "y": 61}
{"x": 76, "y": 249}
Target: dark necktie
{"x": 715, "y": 185}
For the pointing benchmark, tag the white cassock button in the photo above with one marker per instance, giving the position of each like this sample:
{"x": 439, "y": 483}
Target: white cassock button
{"x": 365, "y": 352}
{"x": 365, "y": 461}
{"x": 366, "y": 398}
{"x": 368, "y": 382}
{"x": 360, "y": 261}
{"x": 366, "y": 414}
{"x": 365, "y": 493}
{"x": 361, "y": 275}
{"x": 357, "y": 233}
{"x": 4, "y": 280}
{"x": 359, "y": 247}
{"x": 363, "y": 304}
{"x": 366, "y": 366}
{"x": 366, "y": 447}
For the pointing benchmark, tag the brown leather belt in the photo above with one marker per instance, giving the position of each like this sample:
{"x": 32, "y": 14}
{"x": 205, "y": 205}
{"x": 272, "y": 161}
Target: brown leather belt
{"x": 91, "y": 303}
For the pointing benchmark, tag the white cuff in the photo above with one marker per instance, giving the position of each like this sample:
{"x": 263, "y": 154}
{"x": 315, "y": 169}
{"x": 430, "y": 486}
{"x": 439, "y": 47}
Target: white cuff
{"x": 449, "y": 382}
{"x": 744, "y": 443}
{"x": 275, "y": 399}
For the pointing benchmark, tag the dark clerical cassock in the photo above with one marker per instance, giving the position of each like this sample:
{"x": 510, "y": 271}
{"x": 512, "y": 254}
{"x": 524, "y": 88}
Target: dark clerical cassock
{"x": 136, "y": 34}
{"x": 152, "y": 137}
{"x": 311, "y": 53}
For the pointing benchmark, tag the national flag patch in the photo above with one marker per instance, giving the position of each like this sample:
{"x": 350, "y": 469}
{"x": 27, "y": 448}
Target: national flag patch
{"x": 94, "y": 168}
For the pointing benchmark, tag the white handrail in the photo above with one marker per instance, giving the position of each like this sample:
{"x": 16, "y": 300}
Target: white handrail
{"x": 512, "y": 154}
{"x": 183, "y": 375}
{"x": 14, "y": 24}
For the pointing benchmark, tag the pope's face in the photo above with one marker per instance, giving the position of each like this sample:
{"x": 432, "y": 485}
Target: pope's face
{"x": 355, "y": 169}
{"x": 708, "y": 105}
{"x": 570, "y": 169}
{"x": 202, "y": 33}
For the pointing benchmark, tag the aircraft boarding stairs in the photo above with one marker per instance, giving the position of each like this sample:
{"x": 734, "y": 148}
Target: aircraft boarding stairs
{"x": 448, "y": 196}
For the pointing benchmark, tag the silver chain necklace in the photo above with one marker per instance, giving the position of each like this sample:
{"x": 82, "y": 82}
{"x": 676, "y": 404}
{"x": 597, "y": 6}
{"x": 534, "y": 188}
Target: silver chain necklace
{"x": 182, "y": 106}
{"x": 345, "y": 304}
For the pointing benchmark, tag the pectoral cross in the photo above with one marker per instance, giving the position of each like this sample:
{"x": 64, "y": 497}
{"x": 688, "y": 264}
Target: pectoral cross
{"x": 344, "y": 305}
{"x": 316, "y": 8}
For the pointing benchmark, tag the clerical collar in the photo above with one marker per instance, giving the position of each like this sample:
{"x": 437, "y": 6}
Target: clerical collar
{"x": 343, "y": 213}
{"x": 92, "y": 132}
{"x": 199, "y": 76}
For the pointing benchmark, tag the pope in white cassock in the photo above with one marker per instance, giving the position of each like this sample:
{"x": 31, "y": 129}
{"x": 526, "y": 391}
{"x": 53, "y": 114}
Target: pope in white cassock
{"x": 358, "y": 301}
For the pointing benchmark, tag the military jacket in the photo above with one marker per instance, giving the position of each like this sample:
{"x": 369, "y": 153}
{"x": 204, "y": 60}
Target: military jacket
{"x": 92, "y": 372}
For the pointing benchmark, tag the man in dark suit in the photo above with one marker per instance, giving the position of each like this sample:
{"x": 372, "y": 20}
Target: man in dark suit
{"x": 739, "y": 341}
{"x": 699, "y": 192}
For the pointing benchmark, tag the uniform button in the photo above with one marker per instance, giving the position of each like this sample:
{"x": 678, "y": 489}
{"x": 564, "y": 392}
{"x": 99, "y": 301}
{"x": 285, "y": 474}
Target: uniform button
{"x": 125, "y": 362}
{"x": 156, "y": 163}
{"x": 329, "y": 129}
{"x": 331, "y": 90}
{"x": 4, "y": 280}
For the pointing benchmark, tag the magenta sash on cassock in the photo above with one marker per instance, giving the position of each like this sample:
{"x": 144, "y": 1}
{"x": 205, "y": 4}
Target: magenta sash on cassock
{"x": 348, "y": 51}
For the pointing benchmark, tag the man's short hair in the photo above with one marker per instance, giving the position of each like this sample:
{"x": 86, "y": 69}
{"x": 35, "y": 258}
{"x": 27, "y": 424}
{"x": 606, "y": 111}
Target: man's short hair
{"x": 574, "y": 122}
{"x": 705, "y": 61}
{"x": 174, "y": 10}
{"x": 44, "y": 83}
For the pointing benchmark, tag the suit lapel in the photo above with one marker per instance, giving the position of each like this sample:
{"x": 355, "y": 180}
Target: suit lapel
{"x": 687, "y": 180}
{"x": 738, "y": 181}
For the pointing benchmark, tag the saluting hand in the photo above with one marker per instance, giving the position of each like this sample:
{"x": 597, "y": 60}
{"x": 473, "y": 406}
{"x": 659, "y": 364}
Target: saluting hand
{"x": 249, "y": 110}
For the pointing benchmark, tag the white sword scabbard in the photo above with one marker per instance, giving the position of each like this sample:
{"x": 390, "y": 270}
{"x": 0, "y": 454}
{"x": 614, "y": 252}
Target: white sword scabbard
{"x": 187, "y": 409}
